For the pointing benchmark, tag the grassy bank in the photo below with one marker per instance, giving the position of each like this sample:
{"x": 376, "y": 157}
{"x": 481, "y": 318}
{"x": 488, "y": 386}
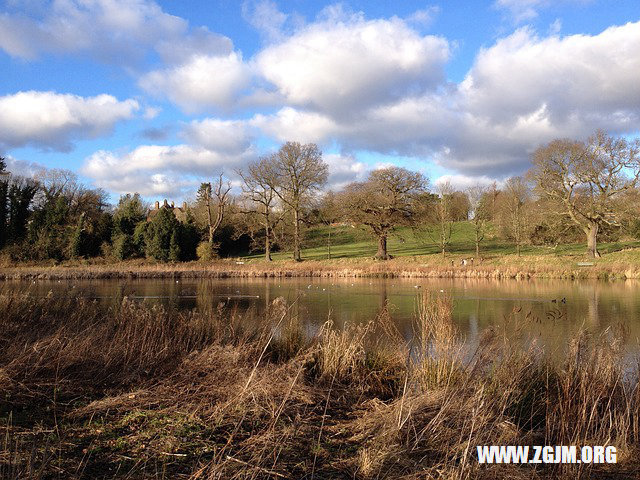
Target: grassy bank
{"x": 142, "y": 392}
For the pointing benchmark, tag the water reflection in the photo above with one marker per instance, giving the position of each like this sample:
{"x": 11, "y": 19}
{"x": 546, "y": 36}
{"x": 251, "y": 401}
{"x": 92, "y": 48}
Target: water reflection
{"x": 551, "y": 311}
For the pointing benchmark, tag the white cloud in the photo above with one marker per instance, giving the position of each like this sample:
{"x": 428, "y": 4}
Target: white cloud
{"x": 151, "y": 112}
{"x": 522, "y": 72}
{"x": 22, "y": 167}
{"x": 522, "y": 91}
{"x": 52, "y": 120}
{"x": 203, "y": 82}
{"x": 463, "y": 182}
{"x": 424, "y": 17}
{"x": 156, "y": 169}
{"x": 525, "y": 10}
{"x": 265, "y": 17}
{"x": 225, "y": 136}
{"x": 526, "y": 90}
{"x": 296, "y": 125}
{"x": 521, "y": 10}
{"x": 344, "y": 169}
{"x": 215, "y": 146}
{"x": 200, "y": 41}
{"x": 114, "y": 31}
{"x": 342, "y": 65}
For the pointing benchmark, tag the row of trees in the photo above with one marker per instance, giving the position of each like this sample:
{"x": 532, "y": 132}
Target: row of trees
{"x": 573, "y": 188}
{"x": 589, "y": 186}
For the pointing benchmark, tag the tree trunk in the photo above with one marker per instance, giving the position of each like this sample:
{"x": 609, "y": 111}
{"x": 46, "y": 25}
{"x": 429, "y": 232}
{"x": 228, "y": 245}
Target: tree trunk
{"x": 209, "y": 221}
{"x": 477, "y": 249}
{"x": 296, "y": 236}
{"x": 592, "y": 239}
{"x": 381, "y": 254}
{"x": 267, "y": 242}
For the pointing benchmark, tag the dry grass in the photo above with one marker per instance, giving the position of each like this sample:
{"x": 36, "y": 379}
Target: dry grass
{"x": 615, "y": 265}
{"x": 138, "y": 391}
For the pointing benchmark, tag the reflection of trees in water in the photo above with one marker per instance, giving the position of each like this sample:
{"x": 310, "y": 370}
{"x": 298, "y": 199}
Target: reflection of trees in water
{"x": 478, "y": 303}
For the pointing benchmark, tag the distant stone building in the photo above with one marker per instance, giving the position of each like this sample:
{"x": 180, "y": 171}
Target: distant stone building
{"x": 179, "y": 212}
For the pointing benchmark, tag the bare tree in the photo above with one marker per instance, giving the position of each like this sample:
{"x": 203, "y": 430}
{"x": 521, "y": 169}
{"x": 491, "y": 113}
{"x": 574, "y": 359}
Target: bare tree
{"x": 442, "y": 215}
{"x": 586, "y": 180}
{"x": 258, "y": 188}
{"x": 515, "y": 195}
{"x": 386, "y": 200}
{"x": 479, "y": 213}
{"x": 295, "y": 173}
{"x": 216, "y": 197}
{"x": 55, "y": 183}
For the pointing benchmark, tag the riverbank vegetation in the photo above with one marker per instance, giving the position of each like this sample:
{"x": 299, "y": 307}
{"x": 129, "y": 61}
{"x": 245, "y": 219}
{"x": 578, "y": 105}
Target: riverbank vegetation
{"x": 139, "y": 391}
{"x": 575, "y": 193}
{"x": 343, "y": 251}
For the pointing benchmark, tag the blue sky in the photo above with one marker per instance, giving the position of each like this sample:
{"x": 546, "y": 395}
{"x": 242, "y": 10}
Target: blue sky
{"x": 155, "y": 96}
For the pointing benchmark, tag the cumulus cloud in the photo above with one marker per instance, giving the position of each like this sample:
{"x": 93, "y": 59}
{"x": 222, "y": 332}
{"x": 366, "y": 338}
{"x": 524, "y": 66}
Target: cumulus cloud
{"x": 225, "y": 136}
{"x": 50, "y": 120}
{"x": 345, "y": 63}
{"x": 302, "y": 126}
{"x": 214, "y": 146}
{"x": 344, "y": 169}
{"x": 522, "y": 73}
{"x": 115, "y": 31}
{"x": 525, "y": 90}
{"x": 202, "y": 82}
{"x": 520, "y": 92}
{"x": 155, "y": 170}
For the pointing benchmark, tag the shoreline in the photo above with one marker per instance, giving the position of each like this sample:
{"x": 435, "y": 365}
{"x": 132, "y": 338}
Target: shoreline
{"x": 521, "y": 268}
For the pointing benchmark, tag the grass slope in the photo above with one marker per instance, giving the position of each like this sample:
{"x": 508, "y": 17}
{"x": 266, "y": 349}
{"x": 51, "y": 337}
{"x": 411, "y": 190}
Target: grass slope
{"x": 338, "y": 242}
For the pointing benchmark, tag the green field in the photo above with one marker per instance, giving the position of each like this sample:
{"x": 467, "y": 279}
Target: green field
{"x": 337, "y": 242}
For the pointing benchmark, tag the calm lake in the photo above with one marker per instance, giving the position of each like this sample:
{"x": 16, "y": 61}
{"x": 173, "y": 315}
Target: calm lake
{"x": 549, "y": 310}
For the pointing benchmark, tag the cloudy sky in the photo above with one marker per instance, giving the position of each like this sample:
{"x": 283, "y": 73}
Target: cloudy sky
{"x": 154, "y": 96}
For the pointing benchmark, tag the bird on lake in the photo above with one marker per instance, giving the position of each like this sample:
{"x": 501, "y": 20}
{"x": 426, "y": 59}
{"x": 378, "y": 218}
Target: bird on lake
{"x": 562, "y": 300}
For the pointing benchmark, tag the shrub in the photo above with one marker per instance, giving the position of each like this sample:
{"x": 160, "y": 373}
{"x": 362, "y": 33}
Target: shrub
{"x": 206, "y": 251}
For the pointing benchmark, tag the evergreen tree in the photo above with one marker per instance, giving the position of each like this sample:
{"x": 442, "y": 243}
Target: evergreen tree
{"x": 158, "y": 234}
{"x": 129, "y": 213}
{"x": 77, "y": 242}
{"x": 20, "y": 195}
{"x": 174, "y": 246}
{"x": 48, "y": 233}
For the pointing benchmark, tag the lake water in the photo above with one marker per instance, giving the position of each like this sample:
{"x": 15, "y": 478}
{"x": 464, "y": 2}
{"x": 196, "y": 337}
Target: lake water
{"x": 550, "y": 310}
